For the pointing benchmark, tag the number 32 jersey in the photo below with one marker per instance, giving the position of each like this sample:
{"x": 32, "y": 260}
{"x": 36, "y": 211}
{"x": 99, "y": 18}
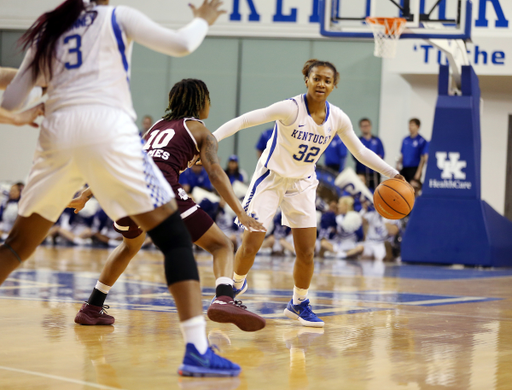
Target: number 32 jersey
{"x": 293, "y": 150}
{"x": 92, "y": 64}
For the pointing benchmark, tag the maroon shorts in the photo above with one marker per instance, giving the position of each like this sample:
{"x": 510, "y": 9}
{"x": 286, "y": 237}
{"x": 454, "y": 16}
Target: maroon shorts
{"x": 195, "y": 218}
{"x": 127, "y": 227}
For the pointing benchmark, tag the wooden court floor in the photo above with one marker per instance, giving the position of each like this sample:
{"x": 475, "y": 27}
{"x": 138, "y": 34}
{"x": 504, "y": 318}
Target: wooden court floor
{"x": 386, "y": 327}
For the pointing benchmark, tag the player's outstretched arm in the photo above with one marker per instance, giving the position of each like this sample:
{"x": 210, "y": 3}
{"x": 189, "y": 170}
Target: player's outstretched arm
{"x": 26, "y": 117}
{"x": 285, "y": 111}
{"x": 208, "y": 147}
{"x": 6, "y": 76}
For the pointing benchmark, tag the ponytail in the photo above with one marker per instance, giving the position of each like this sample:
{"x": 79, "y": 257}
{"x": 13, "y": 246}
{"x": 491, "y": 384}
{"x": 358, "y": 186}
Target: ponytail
{"x": 45, "y": 32}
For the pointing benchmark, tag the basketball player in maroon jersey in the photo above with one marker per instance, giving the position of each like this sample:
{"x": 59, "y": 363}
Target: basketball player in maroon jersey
{"x": 176, "y": 142}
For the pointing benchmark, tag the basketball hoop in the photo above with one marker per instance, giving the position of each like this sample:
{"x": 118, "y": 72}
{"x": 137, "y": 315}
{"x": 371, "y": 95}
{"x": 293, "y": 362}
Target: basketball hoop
{"x": 386, "y": 32}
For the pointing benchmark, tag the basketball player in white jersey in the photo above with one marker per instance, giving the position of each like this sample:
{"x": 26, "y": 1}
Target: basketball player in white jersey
{"x": 81, "y": 51}
{"x": 285, "y": 175}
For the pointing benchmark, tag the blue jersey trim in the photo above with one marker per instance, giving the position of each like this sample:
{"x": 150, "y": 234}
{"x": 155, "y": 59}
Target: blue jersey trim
{"x": 306, "y": 103}
{"x": 274, "y": 142}
{"x": 327, "y": 108}
{"x": 120, "y": 43}
{"x": 253, "y": 190}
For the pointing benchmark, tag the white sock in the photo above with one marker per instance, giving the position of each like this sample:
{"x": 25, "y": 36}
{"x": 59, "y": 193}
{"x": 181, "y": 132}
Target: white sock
{"x": 224, "y": 280}
{"x": 239, "y": 280}
{"x": 102, "y": 287}
{"x": 299, "y": 295}
{"x": 194, "y": 332}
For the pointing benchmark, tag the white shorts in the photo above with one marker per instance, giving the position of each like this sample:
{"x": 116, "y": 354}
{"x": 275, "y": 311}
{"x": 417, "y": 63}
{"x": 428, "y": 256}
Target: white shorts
{"x": 344, "y": 245}
{"x": 99, "y": 146}
{"x": 296, "y": 197}
{"x": 375, "y": 249}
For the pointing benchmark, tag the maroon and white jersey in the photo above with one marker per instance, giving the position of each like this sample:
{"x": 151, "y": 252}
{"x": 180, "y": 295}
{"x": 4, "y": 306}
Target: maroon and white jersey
{"x": 172, "y": 146}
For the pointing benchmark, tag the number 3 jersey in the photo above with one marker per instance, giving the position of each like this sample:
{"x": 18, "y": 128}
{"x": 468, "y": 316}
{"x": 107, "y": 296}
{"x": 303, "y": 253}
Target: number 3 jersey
{"x": 172, "y": 146}
{"x": 92, "y": 64}
{"x": 293, "y": 150}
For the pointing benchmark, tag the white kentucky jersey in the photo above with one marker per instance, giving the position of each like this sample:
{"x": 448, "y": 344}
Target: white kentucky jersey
{"x": 92, "y": 64}
{"x": 293, "y": 151}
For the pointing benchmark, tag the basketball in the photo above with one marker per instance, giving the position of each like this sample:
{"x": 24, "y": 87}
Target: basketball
{"x": 394, "y": 198}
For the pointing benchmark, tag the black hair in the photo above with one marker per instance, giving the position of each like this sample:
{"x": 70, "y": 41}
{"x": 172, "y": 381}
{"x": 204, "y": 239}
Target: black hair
{"x": 415, "y": 120}
{"x": 364, "y": 120}
{"x": 46, "y": 30}
{"x": 312, "y": 63}
{"x": 186, "y": 99}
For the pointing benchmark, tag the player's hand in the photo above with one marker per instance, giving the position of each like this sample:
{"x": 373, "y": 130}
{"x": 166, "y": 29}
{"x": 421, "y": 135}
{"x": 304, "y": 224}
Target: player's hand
{"x": 78, "y": 203}
{"x": 251, "y": 224}
{"x": 399, "y": 177}
{"x": 27, "y": 117}
{"x": 209, "y": 11}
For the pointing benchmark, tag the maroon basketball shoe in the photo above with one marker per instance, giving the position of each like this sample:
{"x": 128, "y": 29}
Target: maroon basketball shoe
{"x": 225, "y": 309}
{"x": 93, "y": 315}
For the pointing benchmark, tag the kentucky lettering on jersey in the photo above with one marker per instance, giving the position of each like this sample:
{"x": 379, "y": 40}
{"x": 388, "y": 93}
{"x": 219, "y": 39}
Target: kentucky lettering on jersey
{"x": 311, "y": 137}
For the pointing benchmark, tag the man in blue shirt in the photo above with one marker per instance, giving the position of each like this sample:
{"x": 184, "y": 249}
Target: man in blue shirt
{"x": 262, "y": 142}
{"x": 414, "y": 153}
{"x": 195, "y": 176}
{"x": 335, "y": 155}
{"x": 369, "y": 176}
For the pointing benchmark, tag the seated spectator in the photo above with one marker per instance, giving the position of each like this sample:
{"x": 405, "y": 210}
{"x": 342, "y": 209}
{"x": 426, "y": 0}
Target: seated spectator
{"x": 233, "y": 170}
{"x": 9, "y": 209}
{"x": 263, "y": 140}
{"x": 379, "y": 231}
{"x": 195, "y": 176}
{"x": 344, "y": 244}
{"x": 280, "y": 240}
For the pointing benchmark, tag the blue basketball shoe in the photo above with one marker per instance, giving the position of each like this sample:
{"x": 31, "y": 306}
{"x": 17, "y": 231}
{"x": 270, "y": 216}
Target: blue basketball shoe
{"x": 303, "y": 313}
{"x": 242, "y": 290}
{"x": 209, "y": 364}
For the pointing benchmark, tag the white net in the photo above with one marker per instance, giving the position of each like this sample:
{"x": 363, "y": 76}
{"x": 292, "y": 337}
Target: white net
{"x": 386, "y": 32}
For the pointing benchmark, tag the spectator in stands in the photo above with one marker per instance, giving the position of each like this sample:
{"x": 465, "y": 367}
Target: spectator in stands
{"x": 262, "y": 142}
{"x": 367, "y": 175}
{"x": 233, "y": 170}
{"x": 147, "y": 122}
{"x": 335, "y": 155}
{"x": 344, "y": 244}
{"x": 9, "y": 209}
{"x": 280, "y": 235}
{"x": 414, "y": 153}
{"x": 379, "y": 230}
{"x": 195, "y": 176}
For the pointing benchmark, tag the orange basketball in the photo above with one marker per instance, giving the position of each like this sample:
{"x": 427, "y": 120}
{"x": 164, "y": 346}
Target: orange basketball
{"x": 394, "y": 198}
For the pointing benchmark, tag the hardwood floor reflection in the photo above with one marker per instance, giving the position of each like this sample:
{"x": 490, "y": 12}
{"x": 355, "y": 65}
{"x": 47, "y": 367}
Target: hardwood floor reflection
{"x": 386, "y": 327}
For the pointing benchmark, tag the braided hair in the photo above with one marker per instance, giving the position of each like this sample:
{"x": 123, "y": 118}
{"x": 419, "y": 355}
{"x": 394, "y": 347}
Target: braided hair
{"x": 310, "y": 64}
{"x": 186, "y": 99}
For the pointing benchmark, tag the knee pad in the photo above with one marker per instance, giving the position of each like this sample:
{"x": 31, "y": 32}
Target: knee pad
{"x": 173, "y": 239}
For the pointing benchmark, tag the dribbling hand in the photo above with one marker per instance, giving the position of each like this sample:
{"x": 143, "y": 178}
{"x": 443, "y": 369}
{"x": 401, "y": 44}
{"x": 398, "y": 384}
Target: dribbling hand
{"x": 209, "y": 11}
{"x": 251, "y": 224}
{"x": 399, "y": 177}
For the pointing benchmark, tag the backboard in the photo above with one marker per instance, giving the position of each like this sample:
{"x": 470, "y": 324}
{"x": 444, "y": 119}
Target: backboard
{"x": 426, "y": 19}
